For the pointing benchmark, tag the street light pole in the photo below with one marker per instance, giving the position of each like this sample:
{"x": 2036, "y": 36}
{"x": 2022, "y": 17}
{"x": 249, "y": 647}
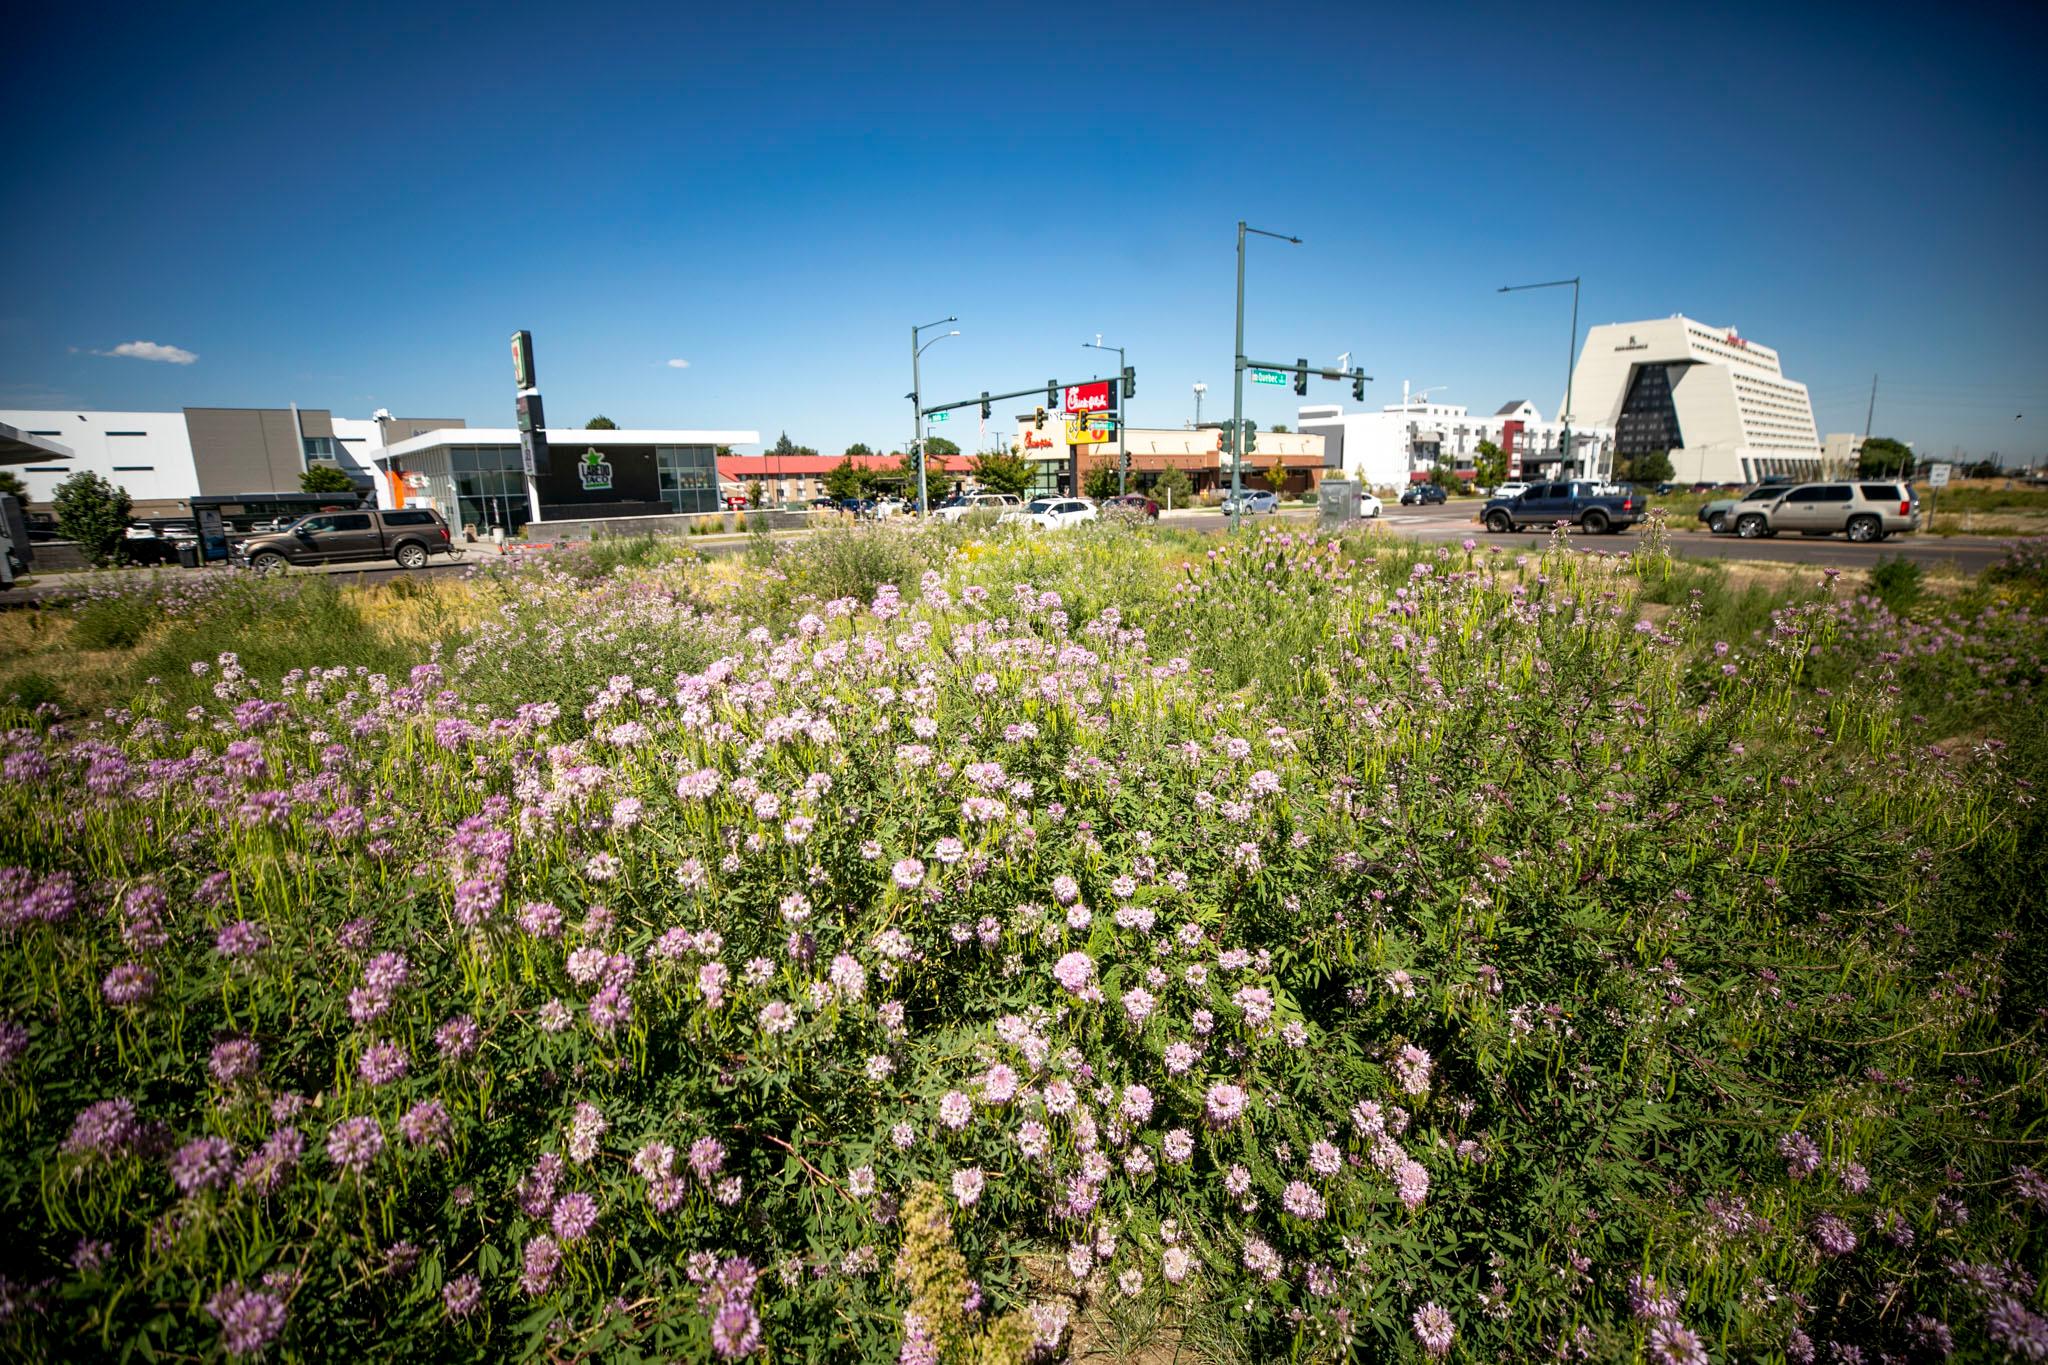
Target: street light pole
{"x": 1571, "y": 358}
{"x": 917, "y": 401}
{"x": 1123, "y": 462}
{"x": 1237, "y": 380}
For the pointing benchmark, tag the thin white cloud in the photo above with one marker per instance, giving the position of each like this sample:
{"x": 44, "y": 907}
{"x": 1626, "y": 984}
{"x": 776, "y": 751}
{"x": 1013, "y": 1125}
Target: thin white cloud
{"x": 151, "y": 350}
{"x": 679, "y": 364}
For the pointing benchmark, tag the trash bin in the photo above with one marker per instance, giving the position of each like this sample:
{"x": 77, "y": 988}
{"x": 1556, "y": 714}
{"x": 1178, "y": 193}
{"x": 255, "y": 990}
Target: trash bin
{"x": 188, "y": 554}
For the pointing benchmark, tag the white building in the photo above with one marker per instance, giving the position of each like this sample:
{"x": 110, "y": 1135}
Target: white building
{"x": 164, "y": 459}
{"x": 1402, "y": 442}
{"x": 147, "y": 453}
{"x": 1716, "y": 401}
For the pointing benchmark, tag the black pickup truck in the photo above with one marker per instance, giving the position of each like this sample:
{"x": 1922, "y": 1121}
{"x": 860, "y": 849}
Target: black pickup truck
{"x": 1595, "y": 508}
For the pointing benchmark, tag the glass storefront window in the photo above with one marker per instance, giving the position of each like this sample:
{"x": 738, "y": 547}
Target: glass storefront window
{"x": 490, "y": 487}
{"x": 689, "y": 478}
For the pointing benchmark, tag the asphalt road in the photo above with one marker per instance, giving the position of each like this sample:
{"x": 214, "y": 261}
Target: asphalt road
{"x": 1452, "y": 522}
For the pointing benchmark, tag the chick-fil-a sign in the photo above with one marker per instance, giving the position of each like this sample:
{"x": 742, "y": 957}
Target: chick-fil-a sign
{"x": 1094, "y": 397}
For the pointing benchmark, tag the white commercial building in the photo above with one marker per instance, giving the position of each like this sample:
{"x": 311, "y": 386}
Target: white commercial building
{"x": 147, "y": 453}
{"x": 164, "y": 459}
{"x": 1717, "y": 402}
{"x": 1402, "y": 442}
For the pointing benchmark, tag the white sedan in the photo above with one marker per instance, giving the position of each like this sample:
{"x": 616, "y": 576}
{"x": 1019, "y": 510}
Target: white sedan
{"x": 1050, "y": 514}
{"x": 1368, "y": 505}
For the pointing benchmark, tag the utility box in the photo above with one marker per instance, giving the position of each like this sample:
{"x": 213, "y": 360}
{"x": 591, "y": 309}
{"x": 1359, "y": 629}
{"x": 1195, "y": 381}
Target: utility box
{"x": 1337, "y": 503}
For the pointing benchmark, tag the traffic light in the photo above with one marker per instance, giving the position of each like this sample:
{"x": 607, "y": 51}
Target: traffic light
{"x": 1130, "y": 381}
{"x": 1038, "y": 418}
{"x": 1301, "y": 376}
{"x": 1052, "y": 393}
{"x": 1251, "y": 437}
{"x": 1358, "y": 385}
{"x": 985, "y": 409}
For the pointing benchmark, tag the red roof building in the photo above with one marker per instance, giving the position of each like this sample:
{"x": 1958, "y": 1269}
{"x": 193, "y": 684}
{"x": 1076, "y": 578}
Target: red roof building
{"x": 800, "y": 478}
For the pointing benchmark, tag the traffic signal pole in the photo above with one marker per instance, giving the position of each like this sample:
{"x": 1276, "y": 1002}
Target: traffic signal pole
{"x": 1237, "y": 397}
{"x": 1237, "y": 379}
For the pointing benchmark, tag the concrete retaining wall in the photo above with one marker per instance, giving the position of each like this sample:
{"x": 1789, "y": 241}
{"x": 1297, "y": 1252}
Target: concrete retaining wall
{"x": 676, "y": 525}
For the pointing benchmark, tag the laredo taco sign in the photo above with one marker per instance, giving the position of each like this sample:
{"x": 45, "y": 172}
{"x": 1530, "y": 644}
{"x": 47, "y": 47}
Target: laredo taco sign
{"x": 596, "y": 472}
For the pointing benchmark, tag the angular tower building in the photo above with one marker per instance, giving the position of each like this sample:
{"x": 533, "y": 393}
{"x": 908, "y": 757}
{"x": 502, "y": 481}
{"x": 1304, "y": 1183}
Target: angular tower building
{"x": 1715, "y": 401}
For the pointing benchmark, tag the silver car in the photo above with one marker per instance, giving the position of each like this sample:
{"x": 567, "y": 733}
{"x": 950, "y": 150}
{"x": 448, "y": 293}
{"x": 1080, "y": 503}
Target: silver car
{"x": 1862, "y": 511}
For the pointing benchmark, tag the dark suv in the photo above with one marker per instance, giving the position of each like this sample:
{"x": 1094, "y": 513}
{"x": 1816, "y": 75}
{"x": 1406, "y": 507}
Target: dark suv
{"x": 1419, "y": 494}
{"x": 408, "y": 535}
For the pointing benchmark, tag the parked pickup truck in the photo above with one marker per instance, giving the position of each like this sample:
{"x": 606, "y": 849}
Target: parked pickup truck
{"x": 1595, "y": 508}
{"x": 407, "y": 535}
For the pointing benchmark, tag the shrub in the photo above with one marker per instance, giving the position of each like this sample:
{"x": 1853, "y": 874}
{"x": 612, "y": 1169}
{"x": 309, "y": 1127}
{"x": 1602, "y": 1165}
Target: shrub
{"x": 94, "y": 513}
{"x": 1896, "y": 582}
{"x": 116, "y": 620}
{"x": 325, "y": 478}
{"x": 29, "y": 690}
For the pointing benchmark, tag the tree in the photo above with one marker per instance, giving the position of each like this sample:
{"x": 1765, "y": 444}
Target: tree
{"x": 999, "y": 472}
{"x": 939, "y": 445}
{"x": 757, "y": 492}
{"x": 845, "y": 480}
{"x": 1881, "y": 456}
{"x": 859, "y": 448}
{"x": 94, "y": 513}
{"x": 10, "y": 482}
{"x": 1652, "y": 466}
{"x": 1490, "y": 467}
{"x": 1276, "y": 474}
{"x": 1174, "y": 488}
{"x": 1280, "y": 427}
{"x": 722, "y": 453}
{"x": 1442, "y": 477}
{"x": 784, "y": 446}
{"x": 325, "y": 478}
{"x": 600, "y": 423}
{"x": 1100, "y": 481}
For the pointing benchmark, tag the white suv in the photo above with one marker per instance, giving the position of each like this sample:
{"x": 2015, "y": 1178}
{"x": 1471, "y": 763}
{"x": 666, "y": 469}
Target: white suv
{"x": 956, "y": 508}
{"x": 1050, "y": 514}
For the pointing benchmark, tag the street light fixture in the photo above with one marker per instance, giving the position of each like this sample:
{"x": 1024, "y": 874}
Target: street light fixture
{"x": 1570, "y": 359}
{"x": 1237, "y": 385}
{"x": 916, "y": 401}
{"x": 1123, "y": 471}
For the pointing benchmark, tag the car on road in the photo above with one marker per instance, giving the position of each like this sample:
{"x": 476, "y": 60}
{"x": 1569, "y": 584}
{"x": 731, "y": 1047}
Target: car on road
{"x": 1422, "y": 494}
{"x": 408, "y": 535}
{"x": 966, "y": 504}
{"x": 1135, "y": 506}
{"x": 1512, "y": 489}
{"x": 1719, "y": 515}
{"x": 1862, "y": 511}
{"x": 1251, "y": 500}
{"x": 1593, "y": 507}
{"x": 1369, "y": 505}
{"x": 1051, "y": 514}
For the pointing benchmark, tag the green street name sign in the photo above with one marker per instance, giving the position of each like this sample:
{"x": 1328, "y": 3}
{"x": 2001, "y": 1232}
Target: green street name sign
{"x": 939, "y": 416}
{"x": 1268, "y": 377}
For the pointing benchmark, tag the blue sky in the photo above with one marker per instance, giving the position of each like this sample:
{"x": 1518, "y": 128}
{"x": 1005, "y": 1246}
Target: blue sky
{"x": 354, "y": 209}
